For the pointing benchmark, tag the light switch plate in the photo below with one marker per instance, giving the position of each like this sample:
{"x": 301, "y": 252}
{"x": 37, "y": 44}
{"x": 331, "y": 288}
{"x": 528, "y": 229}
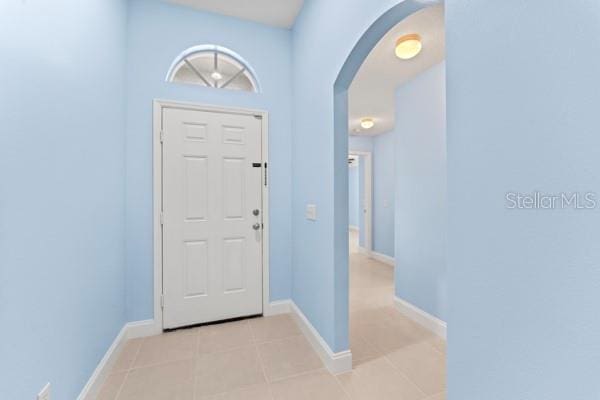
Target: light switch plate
{"x": 311, "y": 212}
{"x": 44, "y": 394}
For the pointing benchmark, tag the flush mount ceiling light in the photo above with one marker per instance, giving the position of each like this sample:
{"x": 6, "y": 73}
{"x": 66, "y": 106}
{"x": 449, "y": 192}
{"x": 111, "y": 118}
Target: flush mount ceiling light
{"x": 216, "y": 75}
{"x": 367, "y": 123}
{"x": 408, "y": 46}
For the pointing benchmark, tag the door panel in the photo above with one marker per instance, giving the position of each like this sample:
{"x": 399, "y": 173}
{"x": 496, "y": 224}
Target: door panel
{"x": 196, "y": 188}
{"x": 196, "y": 268}
{"x": 212, "y": 265}
{"x": 233, "y": 265}
{"x": 233, "y": 188}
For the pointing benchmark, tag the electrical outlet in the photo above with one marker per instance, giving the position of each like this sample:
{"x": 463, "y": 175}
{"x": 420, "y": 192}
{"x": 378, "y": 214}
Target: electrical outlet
{"x": 44, "y": 394}
{"x": 311, "y": 212}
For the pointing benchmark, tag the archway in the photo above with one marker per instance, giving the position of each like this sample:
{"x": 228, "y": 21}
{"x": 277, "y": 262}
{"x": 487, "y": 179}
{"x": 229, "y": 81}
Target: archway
{"x": 353, "y": 62}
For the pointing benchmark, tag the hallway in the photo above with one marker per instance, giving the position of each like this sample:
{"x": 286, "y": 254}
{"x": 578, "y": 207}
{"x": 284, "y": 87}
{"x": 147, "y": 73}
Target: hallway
{"x": 393, "y": 356}
{"x": 269, "y": 358}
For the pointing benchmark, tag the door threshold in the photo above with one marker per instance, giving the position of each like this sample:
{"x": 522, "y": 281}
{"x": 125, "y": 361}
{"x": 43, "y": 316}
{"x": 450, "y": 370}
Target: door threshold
{"x": 221, "y": 322}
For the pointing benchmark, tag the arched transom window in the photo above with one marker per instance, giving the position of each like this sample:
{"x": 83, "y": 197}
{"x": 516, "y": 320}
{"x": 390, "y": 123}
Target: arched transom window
{"x": 213, "y": 66}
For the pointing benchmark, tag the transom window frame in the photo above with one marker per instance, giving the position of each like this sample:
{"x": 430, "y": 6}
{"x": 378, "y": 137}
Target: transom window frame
{"x": 216, "y": 50}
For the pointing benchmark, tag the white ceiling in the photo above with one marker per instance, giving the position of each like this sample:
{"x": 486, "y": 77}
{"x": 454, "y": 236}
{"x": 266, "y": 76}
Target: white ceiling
{"x": 278, "y": 13}
{"x": 372, "y": 93}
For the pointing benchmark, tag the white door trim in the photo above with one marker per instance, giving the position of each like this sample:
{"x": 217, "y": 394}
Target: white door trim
{"x": 159, "y": 105}
{"x": 368, "y": 195}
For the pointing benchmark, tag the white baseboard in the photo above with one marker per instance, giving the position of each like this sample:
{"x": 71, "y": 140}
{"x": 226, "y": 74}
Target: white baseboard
{"x": 130, "y": 330}
{"x": 92, "y": 387}
{"x": 336, "y": 363}
{"x": 384, "y": 258}
{"x": 434, "y": 324}
{"x": 377, "y": 256}
{"x": 277, "y": 307}
{"x": 353, "y": 228}
{"x": 139, "y": 329}
{"x": 364, "y": 251}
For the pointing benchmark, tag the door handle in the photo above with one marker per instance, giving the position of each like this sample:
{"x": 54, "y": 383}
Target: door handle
{"x": 256, "y": 226}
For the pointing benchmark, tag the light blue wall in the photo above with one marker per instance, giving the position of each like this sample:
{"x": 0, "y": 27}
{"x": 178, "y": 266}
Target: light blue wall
{"x": 383, "y": 193}
{"x": 523, "y": 96}
{"x": 524, "y": 284}
{"x": 421, "y": 201}
{"x": 360, "y": 143}
{"x": 158, "y": 32}
{"x": 353, "y": 195}
{"x": 62, "y": 214}
{"x": 320, "y": 250}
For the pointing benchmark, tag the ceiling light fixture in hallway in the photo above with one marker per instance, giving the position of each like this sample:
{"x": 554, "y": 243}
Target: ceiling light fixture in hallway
{"x": 408, "y": 46}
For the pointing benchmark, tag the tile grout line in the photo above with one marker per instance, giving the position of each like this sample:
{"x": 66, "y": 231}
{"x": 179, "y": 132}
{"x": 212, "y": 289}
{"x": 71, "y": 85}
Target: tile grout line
{"x": 444, "y": 392}
{"x": 339, "y": 383}
{"x": 159, "y": 363}
{"x": 282, "y": 338}
{"x": 269, "y": 382}
{"x": 197, "y": 354}
{"x": 438, "y": 350}
{"x": 300, "y": 374}
{"x": 300, "y": 334}
{"x": 195, "y": 366}
{"x": 260, "y": 360}
{"x": 385, "y": 356}
{"x": 122, "y": 385}
{"x": 372, "y": 348}
{"x": 129, "y": 369}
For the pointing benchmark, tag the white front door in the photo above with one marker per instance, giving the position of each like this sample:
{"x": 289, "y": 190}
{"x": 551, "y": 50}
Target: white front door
{"x": 212, "y": 205}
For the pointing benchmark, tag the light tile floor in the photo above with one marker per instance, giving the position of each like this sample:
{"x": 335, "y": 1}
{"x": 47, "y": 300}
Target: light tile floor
{"x": 269, "y": 359}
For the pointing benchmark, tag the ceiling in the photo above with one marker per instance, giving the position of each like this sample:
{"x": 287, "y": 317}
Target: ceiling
{"x": 278, "y": 13}
{"x": 372, "y": 93}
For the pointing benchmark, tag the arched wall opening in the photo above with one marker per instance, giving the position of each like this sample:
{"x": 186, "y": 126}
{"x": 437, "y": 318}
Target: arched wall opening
{"x": 350, "y": 68}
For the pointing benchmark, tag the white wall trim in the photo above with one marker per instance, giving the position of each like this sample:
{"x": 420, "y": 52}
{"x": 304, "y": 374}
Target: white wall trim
{"x": 278, "y": 307}
{"x": 367, "y": 213}
{"x": 336, "y": 363}
{"x": 130, "y": 330}
{"x": 140, "y": 329}
{"x": 159, "y": 105}
{"x": 353, "y": 228}
{"x": 157, "y": 204}
{"x": 434, "y": 324}
{"x": 384, "y": 258}
{"x": 364, "y": 251}
{"x": 93, "y": 385}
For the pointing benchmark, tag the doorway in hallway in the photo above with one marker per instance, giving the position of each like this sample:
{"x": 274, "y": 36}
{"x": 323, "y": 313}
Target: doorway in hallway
{"x": 360, "y": 198}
